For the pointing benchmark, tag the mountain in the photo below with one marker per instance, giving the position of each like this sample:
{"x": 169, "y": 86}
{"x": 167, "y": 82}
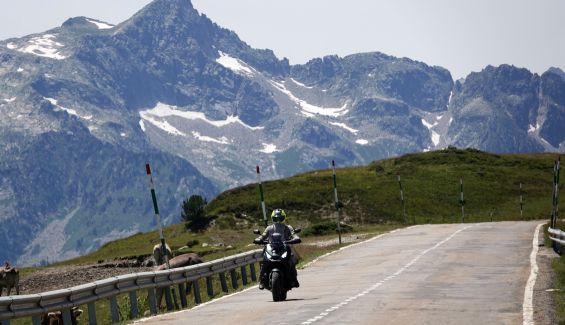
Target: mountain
{"x": 83, "y": 106}
{"x": 508, "y": 109}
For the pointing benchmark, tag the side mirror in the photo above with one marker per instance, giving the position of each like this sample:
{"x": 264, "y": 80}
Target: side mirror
{"x": 297, "y": 230}
{"x": 256, "y": 231}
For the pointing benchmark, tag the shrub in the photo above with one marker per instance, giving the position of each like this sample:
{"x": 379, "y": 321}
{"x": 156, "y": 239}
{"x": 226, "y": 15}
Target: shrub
{"x": 192, "y": 242}
{"x": 325, "y": 228}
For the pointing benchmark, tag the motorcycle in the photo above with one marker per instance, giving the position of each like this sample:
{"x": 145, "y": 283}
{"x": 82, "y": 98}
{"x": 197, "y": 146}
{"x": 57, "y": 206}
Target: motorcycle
{"x": 277, "y": 255}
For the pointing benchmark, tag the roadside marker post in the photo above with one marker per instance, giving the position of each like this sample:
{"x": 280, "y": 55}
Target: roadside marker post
{"x": 157, "y": 216}
{"x": 555, "y": 196}
{"x": 261, "y": 196}
{"x": 402, "y": 201}
{"x": 557, "y": 189}
{"x": 336, "y": 200}
{"x": 553, "y": 187}
{"x": 521, "y": 203}
{"x": 462, "y": 201}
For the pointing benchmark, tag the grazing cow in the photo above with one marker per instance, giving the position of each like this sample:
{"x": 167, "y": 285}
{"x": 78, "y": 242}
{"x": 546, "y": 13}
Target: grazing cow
{"x": 9, "y": 278}
{"x": 158, "y": 256}
{"x": 176, "y": 262}
{"x": 56, "y": 317}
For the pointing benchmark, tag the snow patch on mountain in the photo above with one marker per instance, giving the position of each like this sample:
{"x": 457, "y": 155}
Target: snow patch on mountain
{"x": 309, "y": 108}
{"x": 449, "y": 100}
{"x": 44, "y": 46}
{"x": 163, "y": 110}
{"x": 142, "y": 125}
{"x": 300, "y": 84}
{"x": 344, "y": 126}
{"x": 235, "y": 65}
{"x": 9, "y": 100}
{"x": 99, "y": 24}
{"x": 163, "y": 125}
{"x": 428, "y": 125}
{"x": 435, "y": 138}
{"x": 69, "y": 111}
{"x": 362, "y": 142}
{"x": 532, "y": 128}
{"x": 20, "y": 70}
{"x": 269, "y": 148}
{"x": 222, "y": 140}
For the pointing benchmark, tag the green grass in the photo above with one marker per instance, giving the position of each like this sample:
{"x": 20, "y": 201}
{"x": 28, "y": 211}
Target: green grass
{"x": 559, "y": 285}
{"x": 559, "y": 280}
{"x": 431, "y": 187}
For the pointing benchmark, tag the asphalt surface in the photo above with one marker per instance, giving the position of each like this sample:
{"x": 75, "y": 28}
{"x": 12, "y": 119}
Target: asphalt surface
{"x": 429, "y": 274}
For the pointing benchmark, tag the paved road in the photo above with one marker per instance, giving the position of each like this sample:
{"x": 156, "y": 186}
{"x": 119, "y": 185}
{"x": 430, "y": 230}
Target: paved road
{"x": 429, "y": 274}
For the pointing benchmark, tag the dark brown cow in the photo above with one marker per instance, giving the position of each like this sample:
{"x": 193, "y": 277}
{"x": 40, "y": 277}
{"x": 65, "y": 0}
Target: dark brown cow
{"x": 176, "y": 262}
{"x": 9, "y": 278}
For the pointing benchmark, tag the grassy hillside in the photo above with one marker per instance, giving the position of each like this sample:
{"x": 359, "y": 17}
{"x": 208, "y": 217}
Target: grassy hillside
{"x": 371, "y": 196}
{"x": 431, "y": 188}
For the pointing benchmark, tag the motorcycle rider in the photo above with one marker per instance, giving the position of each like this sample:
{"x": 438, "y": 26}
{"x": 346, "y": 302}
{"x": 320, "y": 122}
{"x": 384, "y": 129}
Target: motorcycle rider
{"x": 278, "y": 216}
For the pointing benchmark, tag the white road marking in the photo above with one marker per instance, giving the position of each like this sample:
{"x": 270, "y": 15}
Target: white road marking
{"x": 142, "y": 320}
{"x": 528, "y": 307}
{"x": 378, "y": 284}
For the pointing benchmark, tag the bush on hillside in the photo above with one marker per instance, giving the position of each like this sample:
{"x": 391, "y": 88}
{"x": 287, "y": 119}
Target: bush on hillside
{"x": 325, "y": 228}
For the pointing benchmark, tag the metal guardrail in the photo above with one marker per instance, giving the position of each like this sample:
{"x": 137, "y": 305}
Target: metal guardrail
{"x": 557, "y": 236}
{"x": 35, "y": 305}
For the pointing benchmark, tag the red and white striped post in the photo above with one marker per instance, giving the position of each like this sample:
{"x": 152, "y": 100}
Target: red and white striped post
{"x": 157, "y": 216}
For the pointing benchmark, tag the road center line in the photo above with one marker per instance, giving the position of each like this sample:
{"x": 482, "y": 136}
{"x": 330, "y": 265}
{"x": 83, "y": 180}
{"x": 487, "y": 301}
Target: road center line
{"x": 390, "y": 277}
{"x": 527, "y": 306}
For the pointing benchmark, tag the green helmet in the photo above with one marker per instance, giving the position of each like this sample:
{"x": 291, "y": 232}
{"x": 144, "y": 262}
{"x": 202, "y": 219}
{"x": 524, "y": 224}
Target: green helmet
{"x": 278, "y": 215}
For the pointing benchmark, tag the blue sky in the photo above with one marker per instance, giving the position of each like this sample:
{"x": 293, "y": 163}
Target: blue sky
{"x": 462, "y": 36}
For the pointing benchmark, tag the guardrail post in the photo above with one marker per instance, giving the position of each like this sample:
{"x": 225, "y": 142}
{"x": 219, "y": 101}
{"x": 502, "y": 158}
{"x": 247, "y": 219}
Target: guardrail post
{"x": 168, "y": 298}
{"x": 133, "y": 304}
{"x": 182, "y": 294}
{"x": 174, "y": 296}
{"x": 196, "y": 290}
{"x": 152, "y": 301}
{"x": 209, "y": 287}
{"x": 253, "y": 273}
{"x": 114, "y": 309}
{"x": 91, "y": 313}
{"x": 233, "y": 276}
{"x": 559, "y": 246}
{"x": 223, "y": 282}
{"x": 244, "y": 275}
{"x": 36, "y": 320}
{"x": 66, "y": 316}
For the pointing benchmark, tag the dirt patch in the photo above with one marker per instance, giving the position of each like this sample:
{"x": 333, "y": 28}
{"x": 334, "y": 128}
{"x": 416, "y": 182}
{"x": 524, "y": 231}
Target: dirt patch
{"x": 345, "y": 239}
{"x": 54, "y": 278}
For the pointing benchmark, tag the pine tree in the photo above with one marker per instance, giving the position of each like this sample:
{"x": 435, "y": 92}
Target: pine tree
{"x": 193, "y": 213}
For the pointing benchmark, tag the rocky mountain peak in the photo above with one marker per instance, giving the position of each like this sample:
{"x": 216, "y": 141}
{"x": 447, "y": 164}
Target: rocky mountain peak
{"x": 85, "y": 24}
{"x": 164, "y": 14}
{"x": 557, "y": 71}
